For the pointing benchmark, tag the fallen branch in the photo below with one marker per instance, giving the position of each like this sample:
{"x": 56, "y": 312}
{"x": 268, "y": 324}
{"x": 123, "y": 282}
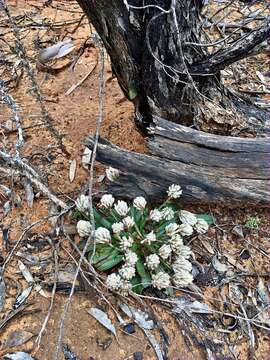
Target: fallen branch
{"x": 210, "y": 168}
{"x": 19, "y": 168}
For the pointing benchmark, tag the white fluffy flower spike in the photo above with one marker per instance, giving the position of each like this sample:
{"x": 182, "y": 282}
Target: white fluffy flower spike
{"x": 113, "y": 281}
{"x": 128, "y": 222}
{"x": 185, "y": 229}
{"x": 84, "y": 228}
{"x": 82, "y": 203}
{"x": 149, "y": 238}
{"x": 174, "y": 191}
{"x": 201, "y": 226}
{"x": 112, "y": 174}
{"x": 187, "y": 217}
{"x": 117, "y": 227}
{"x": 102, "y": 235}
{"x": 161, "y": 280}
{"x": 172, "y": 229}
{"x": 107, "y": 201}
{"x": 131, "y": 258}
{"x": 167, "y": 213}
{"x": 152, "y": 261}
{"x": 126, "y": 243}
{"x": 139, "y": 203}
{"x": 165, "y": 251}
{"x": 127, "y": 272}
{"x": 155, "y": 215}
{"x": 121, "y": 207}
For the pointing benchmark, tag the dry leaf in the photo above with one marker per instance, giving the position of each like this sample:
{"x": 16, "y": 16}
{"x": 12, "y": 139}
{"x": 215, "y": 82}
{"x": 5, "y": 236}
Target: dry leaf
{"x": 2, "y": 294}
{"x": 17, "y": 338}
{"x": 218, "y": 266}
{"x": 18, "y": 356}
{"x": 72, "y": 170}
{"x": 86, "y": 158}
{"x": 103, "y": 319}
{"x": 22, "y": 297}
{"x": 56, "y": 51}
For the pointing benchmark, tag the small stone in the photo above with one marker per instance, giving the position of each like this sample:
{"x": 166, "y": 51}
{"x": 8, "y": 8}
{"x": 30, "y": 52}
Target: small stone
{"x": 138, "y": 355}
{"x": 238, "y": 231}
{"x": 245, "y": 254}
{"x": 129, "y": 328}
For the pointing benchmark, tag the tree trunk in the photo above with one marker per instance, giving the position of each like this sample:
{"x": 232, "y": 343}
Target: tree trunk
{"x": 155, "y": 55}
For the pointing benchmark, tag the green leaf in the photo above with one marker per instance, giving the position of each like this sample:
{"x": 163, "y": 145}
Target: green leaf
{"x": 111, "y": 261}
{"x": 144, "y": 274}
{"x": 135, "y": 213}
{"x": 207, "y": 217}
{"x": 137, "y": 287}
{"x": 102, "y": 253}
{"x": 169, "y": 291}
{"x": 101, "y": 221}
{"x": 143, "y": 219}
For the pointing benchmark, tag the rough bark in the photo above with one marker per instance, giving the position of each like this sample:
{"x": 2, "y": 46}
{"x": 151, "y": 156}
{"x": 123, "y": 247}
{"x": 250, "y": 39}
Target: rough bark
{"x": 160, "y": 65}
{"x": 210, "y": 168}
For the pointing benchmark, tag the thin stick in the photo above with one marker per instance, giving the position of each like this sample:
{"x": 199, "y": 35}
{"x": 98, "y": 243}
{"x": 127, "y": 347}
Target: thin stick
{"x": 22, "y": 169}
{"x": 25, "y": 231}
{"x": 99, "y": 121}
{"x": 56, "y": 270}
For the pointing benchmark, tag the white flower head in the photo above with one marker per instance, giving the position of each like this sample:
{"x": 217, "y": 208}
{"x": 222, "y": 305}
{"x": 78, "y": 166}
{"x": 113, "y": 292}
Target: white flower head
{"x": 128, "y": 222}
{"x": 126, "y": 243}
{"x": 167, "y": 213}
{"x": 117, "y": 227}
{"x": 112, "y": 174}
{"x": 149, "y": 238}
{"x": 181, "y": 264}
{"x": 201, "y": 226}
{"x": 113, "y": 281}
{"x": 84, "y": 228}
{"x": 185, "y": 229}
{"x": 187, "y": 217}
{"x": 182, "y": 272}
{"x": 165, "y": 251}
{"x": 82, "y": 203}
{"x": 131, "y": 258}
{"x": 107, "y": 201}
{"x": 174, "y": 191}
{"x": 127, "y": 272}
{"x": 184, "y": 252}
{"x": 155, "y": 215}
{"x": 152, "y": 261}
{"x": 102, "y": 235}
{"x": 125, "y": 288}
{"x": 172, "y": 229}
{"x": 139, "y": 203}
{"x": 176, "y": 242}
{"x": 121, "y": 207}
{"x": 182, "y": 279}
{"x": 161, "y": 280}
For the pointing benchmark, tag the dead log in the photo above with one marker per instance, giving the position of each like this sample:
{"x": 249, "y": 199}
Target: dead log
{"x": 211, "y": 169}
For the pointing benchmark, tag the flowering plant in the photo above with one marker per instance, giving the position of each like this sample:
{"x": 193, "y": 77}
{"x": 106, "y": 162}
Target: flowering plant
{"x": 139, "y": 246}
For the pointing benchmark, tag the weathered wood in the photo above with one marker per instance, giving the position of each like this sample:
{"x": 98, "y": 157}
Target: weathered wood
{"x": 159, "y": 62}
{"x": 241, "y": 158}
{"x": 225, "y": 171}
